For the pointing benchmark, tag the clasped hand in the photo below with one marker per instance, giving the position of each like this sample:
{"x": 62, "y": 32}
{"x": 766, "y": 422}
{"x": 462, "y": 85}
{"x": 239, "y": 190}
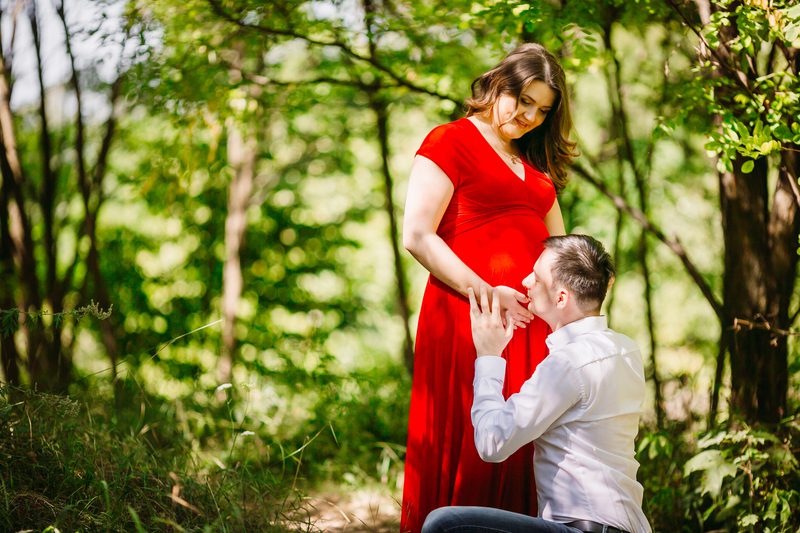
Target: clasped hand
{"x": 488, "y": 332}
{"x": 513, "y": 306}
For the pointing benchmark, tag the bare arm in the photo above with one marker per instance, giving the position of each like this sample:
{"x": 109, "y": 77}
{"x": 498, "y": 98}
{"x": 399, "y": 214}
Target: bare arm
{"x": 554, "y": 221}
{"x": 429, "y": 193}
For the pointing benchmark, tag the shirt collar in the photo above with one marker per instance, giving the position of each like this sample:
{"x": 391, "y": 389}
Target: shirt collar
{"x": 566, "y": 334}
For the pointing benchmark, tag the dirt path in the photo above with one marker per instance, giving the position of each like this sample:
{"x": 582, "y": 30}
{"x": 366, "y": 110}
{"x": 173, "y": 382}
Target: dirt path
{"x": 362, "y": 510}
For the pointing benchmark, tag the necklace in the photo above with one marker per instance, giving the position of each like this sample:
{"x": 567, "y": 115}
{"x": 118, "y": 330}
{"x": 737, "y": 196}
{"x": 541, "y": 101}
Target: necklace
{"x": 491, "y": 137}
{"x": 513, "y": 156}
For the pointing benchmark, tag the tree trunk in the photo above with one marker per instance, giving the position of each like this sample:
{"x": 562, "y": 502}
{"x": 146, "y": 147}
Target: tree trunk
{"x": 760, "y": 269}
{"x": 9, "y": 356}
{"x": 48, "y": 191}
{"x": 20, "y": 232}
{"x": 622, "y": 133}
{"x": 382, "y": 124}
{"x": 760, "y": 245}
{"x": 242, "y": 159}
{"x": 91, "y": 192}
{"x": 379, "y": 106}
{"x": 784, "y": 227}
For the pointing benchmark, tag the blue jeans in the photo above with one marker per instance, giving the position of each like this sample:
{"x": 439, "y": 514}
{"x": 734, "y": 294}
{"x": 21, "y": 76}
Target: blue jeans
{"x": 488, "y": 520}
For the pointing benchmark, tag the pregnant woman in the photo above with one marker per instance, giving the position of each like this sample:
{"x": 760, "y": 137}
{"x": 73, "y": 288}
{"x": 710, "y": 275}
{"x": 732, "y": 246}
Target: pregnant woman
{"x": 481, "y": 198}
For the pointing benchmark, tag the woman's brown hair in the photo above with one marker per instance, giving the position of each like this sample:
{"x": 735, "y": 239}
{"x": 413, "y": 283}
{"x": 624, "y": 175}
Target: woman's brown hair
{"x": 547, "y": 146}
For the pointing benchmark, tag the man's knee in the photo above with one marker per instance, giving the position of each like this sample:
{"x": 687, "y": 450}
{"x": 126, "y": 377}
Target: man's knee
{"x": 438, "y": 520}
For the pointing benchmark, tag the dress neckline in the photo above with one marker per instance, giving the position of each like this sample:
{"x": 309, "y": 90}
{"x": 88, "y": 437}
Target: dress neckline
{"x": 524, "y": 176}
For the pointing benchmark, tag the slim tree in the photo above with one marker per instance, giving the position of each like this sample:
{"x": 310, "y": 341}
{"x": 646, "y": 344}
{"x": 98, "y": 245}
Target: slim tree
{"x": 35, "y": 185}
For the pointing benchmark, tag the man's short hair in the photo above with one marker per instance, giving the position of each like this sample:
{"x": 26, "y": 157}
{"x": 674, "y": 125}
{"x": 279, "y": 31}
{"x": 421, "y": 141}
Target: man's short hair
{"x": 583, "y": 266}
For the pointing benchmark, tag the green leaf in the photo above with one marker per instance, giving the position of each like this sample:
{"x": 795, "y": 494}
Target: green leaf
{"x": 714, "y": 468}
{"x": 9, "y": 322}
{"x": 748, "y": 520}
{"x": 747, "y": 166}
{"x": 743, "y": 132}
{"x": 772, "y": 508}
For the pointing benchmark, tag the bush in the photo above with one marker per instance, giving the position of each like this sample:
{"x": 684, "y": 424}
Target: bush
{"x": 749, "y": 479}
{"x": 738, "y": 478}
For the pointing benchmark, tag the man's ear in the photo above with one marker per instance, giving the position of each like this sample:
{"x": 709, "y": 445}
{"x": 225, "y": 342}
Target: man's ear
{"x": 562, "y": 297}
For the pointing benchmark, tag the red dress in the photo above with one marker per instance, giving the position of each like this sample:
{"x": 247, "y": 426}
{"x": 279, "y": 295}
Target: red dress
{"x": 494, "y": 223}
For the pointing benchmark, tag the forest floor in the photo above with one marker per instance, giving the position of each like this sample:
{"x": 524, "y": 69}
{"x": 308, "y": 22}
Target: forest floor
{"x": 355, "y": 510}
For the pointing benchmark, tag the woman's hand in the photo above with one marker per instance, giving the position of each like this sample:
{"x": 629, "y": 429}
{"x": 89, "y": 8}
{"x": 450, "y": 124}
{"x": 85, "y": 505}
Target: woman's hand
{"x": 513, "y": 306}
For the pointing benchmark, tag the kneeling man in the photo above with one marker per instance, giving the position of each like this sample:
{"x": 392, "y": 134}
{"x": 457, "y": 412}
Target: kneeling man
{"x": 581, "y": 407}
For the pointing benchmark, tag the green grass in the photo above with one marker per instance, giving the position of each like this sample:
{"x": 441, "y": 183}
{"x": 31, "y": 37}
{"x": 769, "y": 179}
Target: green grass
{"x": 123, "y": 459}
{"x": 100, "y": 465}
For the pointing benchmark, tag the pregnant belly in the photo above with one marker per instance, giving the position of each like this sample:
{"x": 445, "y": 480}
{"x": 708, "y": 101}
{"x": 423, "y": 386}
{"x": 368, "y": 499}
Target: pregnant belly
{"x": 503, "y": 251}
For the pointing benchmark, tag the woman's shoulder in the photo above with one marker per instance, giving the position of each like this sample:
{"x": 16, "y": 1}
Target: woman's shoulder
{"x": 454, "y": 129}
{"x": 455, "y": 134}
{"x": 448, "y": 145}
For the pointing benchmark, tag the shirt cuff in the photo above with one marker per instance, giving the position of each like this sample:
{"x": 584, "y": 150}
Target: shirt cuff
{"x": 490, "y": 366}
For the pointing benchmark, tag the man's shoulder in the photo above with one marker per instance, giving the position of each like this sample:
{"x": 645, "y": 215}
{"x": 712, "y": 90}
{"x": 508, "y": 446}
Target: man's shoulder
{"x": 622, "y": 340}
{"x": 596, "y": 345}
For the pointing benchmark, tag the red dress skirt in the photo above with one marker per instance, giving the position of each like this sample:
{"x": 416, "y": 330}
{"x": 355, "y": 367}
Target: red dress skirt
{"x": 494, "y": 223}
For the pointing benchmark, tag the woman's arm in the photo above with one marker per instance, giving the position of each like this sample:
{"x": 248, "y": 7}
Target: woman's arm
{"x": 429, "y": 193}
{"x": 554, "y": 221}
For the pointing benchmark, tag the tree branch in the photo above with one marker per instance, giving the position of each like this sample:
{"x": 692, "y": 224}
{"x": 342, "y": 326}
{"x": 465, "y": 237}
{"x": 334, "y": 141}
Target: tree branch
{"x": 722, "y": 348}
{"x": 370, "y": 60}
{"x": 96, "y": 174}
{"x": 673, "y": 244}
{"x": 759, "y": 322}
{"x": 618, "y": 104}
{"x": 9, "y": 57}
{"x": 48, "y": 191}
{"x": 380, "y": 108}
{"x": 79, "y": 127}
{"x": 101, "y": 162}
{"x": 737, "y": 74}
{"x": 79, "y": 137}
{"x": 792, "y": 181}
{"x": 264, "y": 81}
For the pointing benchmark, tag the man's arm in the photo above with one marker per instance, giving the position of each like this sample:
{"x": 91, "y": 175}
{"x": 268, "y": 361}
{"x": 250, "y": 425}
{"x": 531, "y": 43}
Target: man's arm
{"x": 502, "y": 427}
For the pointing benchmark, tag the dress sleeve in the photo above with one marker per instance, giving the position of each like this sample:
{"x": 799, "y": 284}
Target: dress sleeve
{"x": 441, "y": 147}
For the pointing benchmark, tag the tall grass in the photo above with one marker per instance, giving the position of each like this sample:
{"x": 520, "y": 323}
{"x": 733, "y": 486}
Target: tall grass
{"x": 95, "y": 464}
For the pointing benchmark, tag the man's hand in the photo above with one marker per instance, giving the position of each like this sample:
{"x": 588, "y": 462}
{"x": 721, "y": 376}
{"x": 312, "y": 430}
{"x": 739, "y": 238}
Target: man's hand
{"x": 488, "y": 333}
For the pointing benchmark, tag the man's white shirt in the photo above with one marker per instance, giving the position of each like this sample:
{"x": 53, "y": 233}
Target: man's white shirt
{"x": 581, "y": 408}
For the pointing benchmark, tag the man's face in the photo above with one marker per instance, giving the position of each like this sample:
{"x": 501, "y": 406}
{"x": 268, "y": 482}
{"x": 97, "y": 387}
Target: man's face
{"x": 540, "y": 287}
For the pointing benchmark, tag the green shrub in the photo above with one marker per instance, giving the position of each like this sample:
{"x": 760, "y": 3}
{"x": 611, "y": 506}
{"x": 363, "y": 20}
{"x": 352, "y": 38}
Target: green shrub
{"x": 661, "y": 455}
{"x": 748, "y": 479}
{"x": 734, "y": 479}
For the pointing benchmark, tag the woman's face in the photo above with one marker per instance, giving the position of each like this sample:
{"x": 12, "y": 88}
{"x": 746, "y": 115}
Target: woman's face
{"x": 515, "y": 119}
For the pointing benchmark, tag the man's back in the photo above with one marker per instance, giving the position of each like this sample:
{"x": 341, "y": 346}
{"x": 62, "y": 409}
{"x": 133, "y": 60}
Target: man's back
{"x": 581, "y": 408}
{"x": 585, "y": 460}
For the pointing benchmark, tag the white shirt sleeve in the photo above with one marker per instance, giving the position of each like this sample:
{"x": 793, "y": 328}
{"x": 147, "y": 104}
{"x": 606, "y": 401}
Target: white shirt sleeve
{"x": 502, "y": 427}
